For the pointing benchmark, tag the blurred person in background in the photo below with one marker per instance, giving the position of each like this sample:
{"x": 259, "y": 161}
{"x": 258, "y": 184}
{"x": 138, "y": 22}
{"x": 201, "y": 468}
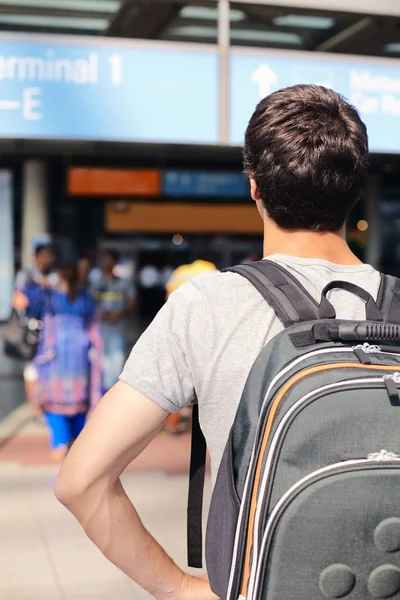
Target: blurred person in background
{"x": 186, "y": 273}
{"x": 39, "y": 275}
{"x": 69, "y": 358}
{"x": 41, "y": 272}
{"x": 179, "y": 422}
{"x": 115, "y": 300}
{"x": 84, "y": 268}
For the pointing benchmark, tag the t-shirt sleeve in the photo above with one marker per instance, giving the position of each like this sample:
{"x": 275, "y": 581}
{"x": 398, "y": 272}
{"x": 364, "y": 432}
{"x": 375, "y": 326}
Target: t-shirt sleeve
{"x": 130, "y": 290}
{"x": 161, "y": 364}
{"x": 21, "y": 280}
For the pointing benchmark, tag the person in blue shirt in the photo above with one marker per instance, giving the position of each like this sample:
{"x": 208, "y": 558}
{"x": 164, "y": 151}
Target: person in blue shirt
{"x": 115, "y": 300}
{"x": 69, "y": 360}
{"x": 40, "y": 274}
{"x": 27, "y": 281}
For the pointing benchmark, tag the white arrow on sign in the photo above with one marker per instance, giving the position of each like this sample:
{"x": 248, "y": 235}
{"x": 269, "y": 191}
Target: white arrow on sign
{"x": 264, "y": 77}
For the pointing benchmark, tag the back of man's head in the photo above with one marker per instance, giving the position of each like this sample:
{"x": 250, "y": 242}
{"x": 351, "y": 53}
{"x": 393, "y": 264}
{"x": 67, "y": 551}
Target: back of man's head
{"x": 306, "y": 149}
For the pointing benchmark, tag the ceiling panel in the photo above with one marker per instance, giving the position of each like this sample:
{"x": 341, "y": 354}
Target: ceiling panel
{"x": 293, "y": 24}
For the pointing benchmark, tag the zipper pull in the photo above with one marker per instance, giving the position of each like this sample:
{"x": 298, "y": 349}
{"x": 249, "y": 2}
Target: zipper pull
{"x": 368, "y": 348}
{"x": 362, "y": 351}
{"x": 391, "y": 382}
{"x": 362, "y": 356}
{"x": 383, "y": 456}
{"x": 353, "y": 456}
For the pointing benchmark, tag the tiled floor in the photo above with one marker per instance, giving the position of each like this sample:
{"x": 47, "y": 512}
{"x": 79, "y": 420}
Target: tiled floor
{"x": 43, "y": 553}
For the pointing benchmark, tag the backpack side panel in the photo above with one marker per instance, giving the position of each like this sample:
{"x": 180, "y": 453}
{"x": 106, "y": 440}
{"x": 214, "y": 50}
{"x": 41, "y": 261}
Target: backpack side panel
{"x": 338, "y": 537}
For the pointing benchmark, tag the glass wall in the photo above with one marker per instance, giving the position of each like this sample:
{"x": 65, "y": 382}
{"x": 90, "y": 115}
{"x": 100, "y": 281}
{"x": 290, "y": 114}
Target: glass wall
{"x": 389, "y": 208}
{"x": 6, "y": 243}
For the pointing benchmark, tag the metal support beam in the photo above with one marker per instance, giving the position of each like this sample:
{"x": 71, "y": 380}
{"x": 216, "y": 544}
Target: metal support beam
{"x": 123, "y": 20}
{"x": 224, "y": 68}
{"x": 335, "y": 41}
{"x": 389, "y": 8}
{"x": 373, "y": 251}
{"x": 146, "y": 22}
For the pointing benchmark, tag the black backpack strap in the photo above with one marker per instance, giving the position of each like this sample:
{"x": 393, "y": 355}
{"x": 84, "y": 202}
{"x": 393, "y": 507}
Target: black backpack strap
{"x": 290, "y": 300}
{"x": 196, "y": 492}
{"x": 389, "y": 299}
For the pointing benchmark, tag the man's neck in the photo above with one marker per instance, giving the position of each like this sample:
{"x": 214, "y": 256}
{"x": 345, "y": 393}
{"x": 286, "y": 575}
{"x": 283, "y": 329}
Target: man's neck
{"x": 308, "y": 244}
{"x": 108, "y": 275}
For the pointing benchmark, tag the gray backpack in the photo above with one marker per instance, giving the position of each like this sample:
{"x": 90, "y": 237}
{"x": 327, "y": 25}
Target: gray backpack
{"x": 306, "y": 505}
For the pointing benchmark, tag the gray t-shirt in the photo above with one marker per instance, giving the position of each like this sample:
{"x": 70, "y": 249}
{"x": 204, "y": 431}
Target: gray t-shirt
{"x": 206, "y": 338}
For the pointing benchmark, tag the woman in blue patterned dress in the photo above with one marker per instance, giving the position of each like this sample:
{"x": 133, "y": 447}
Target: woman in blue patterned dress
{"x": 69, "y": 358}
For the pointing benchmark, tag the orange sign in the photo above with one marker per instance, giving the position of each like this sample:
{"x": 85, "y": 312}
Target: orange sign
{"x": 166, "y": 217}
{"x": 113, "y": 182}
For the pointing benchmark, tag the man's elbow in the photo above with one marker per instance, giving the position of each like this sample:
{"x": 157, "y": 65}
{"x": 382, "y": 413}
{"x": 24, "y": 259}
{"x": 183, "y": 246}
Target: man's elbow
{"x": 73, "y": 491}
{"x": 67, "y": 490}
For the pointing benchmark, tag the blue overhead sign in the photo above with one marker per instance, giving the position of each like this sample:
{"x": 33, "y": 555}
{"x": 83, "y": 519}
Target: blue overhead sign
{"x": 204, "y": 184}
{"x": 372, "y": 85}
{"x": 114, "y": 90}
{"x": 62, "y": 88}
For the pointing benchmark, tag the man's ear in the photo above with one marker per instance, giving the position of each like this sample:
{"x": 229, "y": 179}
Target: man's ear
{"x": 255, "y": 192}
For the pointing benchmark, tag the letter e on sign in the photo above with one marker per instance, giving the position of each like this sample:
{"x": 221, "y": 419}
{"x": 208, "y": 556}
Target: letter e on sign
{"x": 31, "y": 104}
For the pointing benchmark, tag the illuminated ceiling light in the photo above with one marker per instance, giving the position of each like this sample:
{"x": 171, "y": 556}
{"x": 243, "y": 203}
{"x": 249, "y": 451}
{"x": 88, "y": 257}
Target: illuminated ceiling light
{"x": 92, "y": 24}
{"x": 261, "y": 35}
{"x": 362, "y": 225}
{"x": 393, "y": 48}
{"x": 246, "y": 35}
{"x": 307, "y": 21}
{"x": 102, "y": 6}
{"x": 121, "y": 206}
{"x": 177, "y": 240}
{"x": 209, "y": 13}
{"x": 192, "y": 31}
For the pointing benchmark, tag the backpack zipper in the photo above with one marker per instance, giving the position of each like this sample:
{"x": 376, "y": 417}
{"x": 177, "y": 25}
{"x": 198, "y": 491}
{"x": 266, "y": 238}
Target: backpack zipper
{"x": 368, "y": 348}
{"x": 374, "y": 460}
{"x": 285, "y": 421}
{"x": 394, "y": 377}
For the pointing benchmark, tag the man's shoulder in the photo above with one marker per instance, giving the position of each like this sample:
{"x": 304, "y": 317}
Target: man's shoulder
{"x": 25, "y": 277}
{"x": 214, "y": 287}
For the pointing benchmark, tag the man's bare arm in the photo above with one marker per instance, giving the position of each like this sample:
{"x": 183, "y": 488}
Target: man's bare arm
{"x": 89, "y": 485}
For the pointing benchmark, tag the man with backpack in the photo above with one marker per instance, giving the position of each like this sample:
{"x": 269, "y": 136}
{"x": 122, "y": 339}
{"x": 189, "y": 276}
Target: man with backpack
{"x": 306, "y": 155}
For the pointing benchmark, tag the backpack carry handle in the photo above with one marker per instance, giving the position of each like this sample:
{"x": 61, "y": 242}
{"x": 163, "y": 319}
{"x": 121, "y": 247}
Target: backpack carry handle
{"x": 366, "y": 332}
{"x": 327, "y": 311}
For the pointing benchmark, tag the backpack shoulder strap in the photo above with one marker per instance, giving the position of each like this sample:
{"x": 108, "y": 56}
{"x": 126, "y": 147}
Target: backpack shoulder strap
{"x": 196, "y": 493}
{"x": 285, "y": 295}
{"x": 388, "y": 300}
{"x": 292, "y": 304}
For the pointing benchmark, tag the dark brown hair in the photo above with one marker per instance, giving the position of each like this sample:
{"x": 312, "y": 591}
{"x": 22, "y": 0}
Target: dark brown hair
{"x": 69, "y": 272}
{"x": 307, "y": 150}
